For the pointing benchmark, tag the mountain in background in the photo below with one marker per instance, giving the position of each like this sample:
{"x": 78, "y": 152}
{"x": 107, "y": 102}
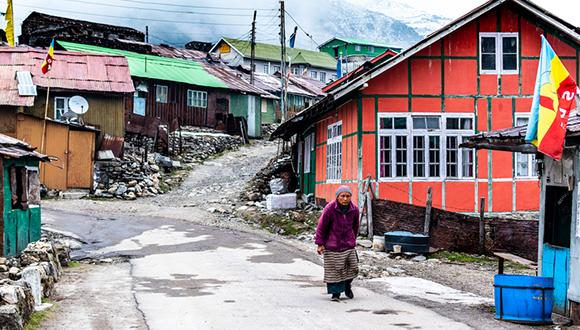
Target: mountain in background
{"x": 422, "y": 21}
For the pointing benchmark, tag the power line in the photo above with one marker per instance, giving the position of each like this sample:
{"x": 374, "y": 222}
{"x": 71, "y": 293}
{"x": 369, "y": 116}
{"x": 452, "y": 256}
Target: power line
{"x": 300, "y": 27}
{"x": 161, "y": 10}
{"x": 137, "y": 18}
{"x": 193, "y": 6}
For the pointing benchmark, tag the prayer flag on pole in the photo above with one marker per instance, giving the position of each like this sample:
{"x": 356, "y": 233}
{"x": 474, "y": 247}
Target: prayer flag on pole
{"x": 10, "y": 24}
{"x": 293, "y": 37}
{"x": 47, "y": 64}
{"x": 554, "y": 97}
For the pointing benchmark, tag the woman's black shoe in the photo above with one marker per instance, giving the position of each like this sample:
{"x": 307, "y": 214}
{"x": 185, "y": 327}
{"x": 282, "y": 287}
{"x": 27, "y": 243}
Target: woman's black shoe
{"x": 348, "y": 293}
{"x": 335, "y": 297}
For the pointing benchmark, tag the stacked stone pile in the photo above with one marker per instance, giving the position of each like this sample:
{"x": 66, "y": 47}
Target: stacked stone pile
{"x": 268, "y": 129}
{"x": 259, "y": 186}
{"x": 198, "y": 145}
{"x": 127, "y": 178}
{"x": 26, "y": 279}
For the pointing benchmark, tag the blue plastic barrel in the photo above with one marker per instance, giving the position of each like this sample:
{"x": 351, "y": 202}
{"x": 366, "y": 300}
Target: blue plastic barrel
{"x": 523, "y": 298}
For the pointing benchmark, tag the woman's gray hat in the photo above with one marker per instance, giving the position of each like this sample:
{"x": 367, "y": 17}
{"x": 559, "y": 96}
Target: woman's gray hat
{"x": 342, "y": 189}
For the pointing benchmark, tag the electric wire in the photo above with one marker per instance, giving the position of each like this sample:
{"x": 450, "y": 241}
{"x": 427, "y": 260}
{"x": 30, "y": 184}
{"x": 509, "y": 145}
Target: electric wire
{"x": 300, "y": 27}
{"x": 136, "y": 18}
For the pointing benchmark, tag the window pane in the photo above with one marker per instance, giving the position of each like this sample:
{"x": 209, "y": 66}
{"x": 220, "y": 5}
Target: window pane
{"x": 433, "y": 122}
{"x": 522, "y": 167}
{"x": 488, "y": 45}
{"x": 467, "y": 160}
{"x": 452, "y": 170}
{"x": 466, "y": 123}
{"x": 452, "y": 123}
{"x": 400, "y": 123}
{"x": 419, "y": 123}
{"x": 509, "y": 45}
{"x": 510, "y": 62}
{"x": 488, "y": 61}
{"x": 386, "y": 123}
{"x": 385, "y": 160}
{"x": 521, "y": 121}
{"x": 401, "y": 155}
{"x": 419, "y": 156}
{"x": 434, "y": 156}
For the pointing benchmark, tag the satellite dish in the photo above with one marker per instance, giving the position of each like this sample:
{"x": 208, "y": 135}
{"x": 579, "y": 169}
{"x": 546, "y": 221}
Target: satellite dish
{"x": 78, "y": 104}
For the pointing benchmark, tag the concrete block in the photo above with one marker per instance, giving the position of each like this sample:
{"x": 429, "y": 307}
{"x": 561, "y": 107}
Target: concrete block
{"x": 31, "y": 275}
{"x": 281, "y": 202}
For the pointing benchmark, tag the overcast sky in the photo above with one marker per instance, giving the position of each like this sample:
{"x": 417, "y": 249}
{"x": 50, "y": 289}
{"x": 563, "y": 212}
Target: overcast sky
{"x": 201, "y": 20}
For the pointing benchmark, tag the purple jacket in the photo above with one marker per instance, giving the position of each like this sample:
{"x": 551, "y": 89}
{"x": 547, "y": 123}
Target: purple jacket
{"x": 335, "y": 230}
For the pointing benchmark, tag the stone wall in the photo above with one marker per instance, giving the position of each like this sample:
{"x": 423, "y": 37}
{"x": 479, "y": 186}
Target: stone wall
{"x": 26, "y": 279}
{"x": 459, "y": 232}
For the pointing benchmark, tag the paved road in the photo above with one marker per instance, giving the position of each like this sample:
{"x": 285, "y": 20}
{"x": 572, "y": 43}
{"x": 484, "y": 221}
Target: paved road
{"x": 182, "y": 275}
{"x": 181, "y": 269}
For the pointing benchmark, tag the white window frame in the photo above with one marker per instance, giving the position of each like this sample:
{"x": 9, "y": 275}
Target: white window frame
{"x": 314, "y": 74}
{"x": 334, "y": 155}
{"x": 161, "y": 91}
{"x": 426, "y": 133}
{"x": 357, "y": 48}
{"x": 322, "y": 76}
{"x": 58, "y": 113}
{"x": 371, "y": 49}
{"x": 266, "y": 68}
{"x": 461, "y": 135}
{"x": 410, "y": 133}
{"x": 498, "y": 36}
{"x": 276, "y": 68}
{"x": 531, "y": 158}
{"x": 308, "y": 148}
{"x": 196, "y": 99}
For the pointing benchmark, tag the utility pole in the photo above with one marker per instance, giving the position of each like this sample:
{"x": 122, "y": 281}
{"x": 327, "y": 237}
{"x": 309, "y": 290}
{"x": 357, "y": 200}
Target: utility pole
{"x": 147, "y": 33}
{"x": 283, "y": 69}
{"x": 253, "y": 56}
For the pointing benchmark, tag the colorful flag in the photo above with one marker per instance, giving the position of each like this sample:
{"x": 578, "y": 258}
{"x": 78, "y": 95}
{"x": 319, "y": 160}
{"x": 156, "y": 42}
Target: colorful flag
{"x": 47, "y": 64}
{"x": 554, "y": 97}
{"x": 10, "y": 24}
{"x": 293, "y": 37}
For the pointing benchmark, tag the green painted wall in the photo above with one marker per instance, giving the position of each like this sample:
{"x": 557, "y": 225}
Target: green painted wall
{"x": 239, "y": 108}
{"x": 269, "y": 117}
{"x": 349, "y": 49}
{"x": 20, "y": 226}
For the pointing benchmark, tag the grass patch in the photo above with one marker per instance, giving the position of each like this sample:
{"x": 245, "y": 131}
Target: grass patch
{"x": 37, "y": 318}
{"x": 463, "y": 257}
{"x": 295, "y": 223}
{"x": 73, "y": 264}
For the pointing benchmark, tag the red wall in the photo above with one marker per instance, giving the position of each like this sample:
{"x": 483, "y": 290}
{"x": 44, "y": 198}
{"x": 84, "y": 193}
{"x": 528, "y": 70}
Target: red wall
{"x": 445, "y": 77}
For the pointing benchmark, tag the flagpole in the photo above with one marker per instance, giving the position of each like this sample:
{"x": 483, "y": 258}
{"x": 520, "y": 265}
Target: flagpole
{"x": 45, "y": 116}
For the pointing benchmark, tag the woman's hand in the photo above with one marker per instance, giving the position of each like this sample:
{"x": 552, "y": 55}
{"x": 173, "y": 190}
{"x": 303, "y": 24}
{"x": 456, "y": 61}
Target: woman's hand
{"x": 320, "y": 249}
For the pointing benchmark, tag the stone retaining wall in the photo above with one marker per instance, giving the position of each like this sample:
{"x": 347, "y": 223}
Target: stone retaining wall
{"x": 26, "y": 279}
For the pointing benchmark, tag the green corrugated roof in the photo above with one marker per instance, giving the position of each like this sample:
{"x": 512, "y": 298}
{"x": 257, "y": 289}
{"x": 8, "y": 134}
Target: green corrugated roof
{"x": 155, "y": 67}
{"x": 363, "y": 42}
{"x": 272, "y": 53}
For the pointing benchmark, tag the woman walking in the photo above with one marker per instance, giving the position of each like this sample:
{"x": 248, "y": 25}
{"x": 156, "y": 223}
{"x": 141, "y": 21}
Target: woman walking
{"x": 336, "y": 239}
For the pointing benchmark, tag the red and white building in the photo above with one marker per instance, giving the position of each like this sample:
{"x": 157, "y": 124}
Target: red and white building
{"x": 400, "y": 120}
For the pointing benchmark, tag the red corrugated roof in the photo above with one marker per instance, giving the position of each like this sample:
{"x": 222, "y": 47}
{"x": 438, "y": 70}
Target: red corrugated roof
{"x": 70, "y": 70}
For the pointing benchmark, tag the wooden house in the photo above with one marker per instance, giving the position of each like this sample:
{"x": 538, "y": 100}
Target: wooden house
{"x": 559, "y": 228}
{"x": 19, "y": 195}
{"x": 187, "y": 90}
{"x": 400, "y": 121}
{"x": 235, "y": 52}
{"x": 103, "y": 80}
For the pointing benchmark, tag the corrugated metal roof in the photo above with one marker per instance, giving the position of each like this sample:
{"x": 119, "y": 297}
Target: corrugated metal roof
{"x": 74, "y": 71}
{"x": 270, "y": 52}
{"x": 14, "y": 148}
{"x": 361, "y": 42}
{"x": 513, "y": 138}
{"x": 229, "y": 76}
{"x": 156, "y": 67}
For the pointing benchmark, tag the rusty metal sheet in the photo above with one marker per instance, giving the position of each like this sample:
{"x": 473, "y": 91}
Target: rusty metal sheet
{"x": 74, "y": 71}
{"x": 113, "y": 143}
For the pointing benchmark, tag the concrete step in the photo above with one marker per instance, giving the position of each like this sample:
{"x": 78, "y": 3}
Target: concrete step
{"x": 75, "y": 193}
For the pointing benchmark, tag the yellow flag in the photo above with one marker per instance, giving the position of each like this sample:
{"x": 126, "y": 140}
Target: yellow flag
{"x": 10, "y": 24}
